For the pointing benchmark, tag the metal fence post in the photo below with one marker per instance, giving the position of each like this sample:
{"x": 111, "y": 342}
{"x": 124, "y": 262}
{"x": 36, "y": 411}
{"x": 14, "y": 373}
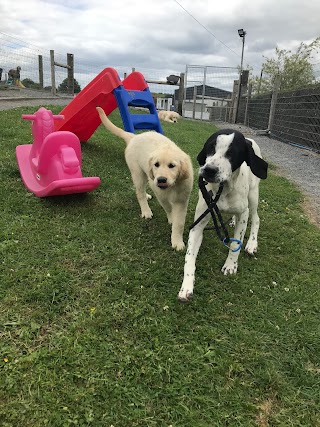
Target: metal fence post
{"x": 203, "y": 90}
{"x": 185, "y": 84}
{"x": 194, "y": 101}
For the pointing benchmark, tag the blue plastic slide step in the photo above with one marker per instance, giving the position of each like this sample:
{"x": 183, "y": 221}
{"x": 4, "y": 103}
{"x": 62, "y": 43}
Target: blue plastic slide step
{"x": 135, "y": 98}
{"x": 145, "y": 121}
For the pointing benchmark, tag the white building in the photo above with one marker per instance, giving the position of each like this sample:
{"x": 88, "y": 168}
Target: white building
{"x": 164, "y": 104}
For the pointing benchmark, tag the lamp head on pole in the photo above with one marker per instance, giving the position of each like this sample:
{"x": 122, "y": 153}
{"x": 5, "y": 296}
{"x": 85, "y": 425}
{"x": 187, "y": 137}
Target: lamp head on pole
{"x": 241, "y": 32}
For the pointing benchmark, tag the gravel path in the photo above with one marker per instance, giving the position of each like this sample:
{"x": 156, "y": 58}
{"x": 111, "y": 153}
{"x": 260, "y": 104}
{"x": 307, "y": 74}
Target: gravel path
{"x": 9, "y": 104}
{"x": 14, "y": 98}
{"x": 300, "y": 166}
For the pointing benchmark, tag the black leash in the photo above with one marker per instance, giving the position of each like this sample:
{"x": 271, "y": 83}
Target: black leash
{"x": 215, "y": 214}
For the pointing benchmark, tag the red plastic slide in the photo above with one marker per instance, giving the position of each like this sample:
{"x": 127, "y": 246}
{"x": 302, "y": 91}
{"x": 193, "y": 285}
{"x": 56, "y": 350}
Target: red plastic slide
{"x": 80, "y": 115}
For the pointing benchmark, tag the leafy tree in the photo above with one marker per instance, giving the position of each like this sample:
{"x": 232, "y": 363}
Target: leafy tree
{"x": 63, "y": 87}
{"x": 28, "y": 83}
{"x": 293, "y": 70}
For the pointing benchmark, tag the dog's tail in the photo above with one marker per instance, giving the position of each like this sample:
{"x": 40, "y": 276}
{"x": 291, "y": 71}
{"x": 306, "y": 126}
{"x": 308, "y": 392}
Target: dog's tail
{"x": 126, "y": 136}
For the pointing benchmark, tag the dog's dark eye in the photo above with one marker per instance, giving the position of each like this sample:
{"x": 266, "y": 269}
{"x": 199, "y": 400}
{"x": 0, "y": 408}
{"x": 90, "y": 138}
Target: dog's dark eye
{"x": 171, "y": 165}
{"x": 157, "y": 164}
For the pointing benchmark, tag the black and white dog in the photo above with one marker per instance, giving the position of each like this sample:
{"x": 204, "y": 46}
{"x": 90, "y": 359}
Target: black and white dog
{"x": 229, "y": 158}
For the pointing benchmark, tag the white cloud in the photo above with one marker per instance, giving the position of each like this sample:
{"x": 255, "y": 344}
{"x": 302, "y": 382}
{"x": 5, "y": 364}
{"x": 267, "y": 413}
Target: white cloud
{"x": 160, "y": 35}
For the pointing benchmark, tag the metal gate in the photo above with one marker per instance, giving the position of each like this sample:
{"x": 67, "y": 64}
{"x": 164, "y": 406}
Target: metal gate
{"x": 208, "y": 93}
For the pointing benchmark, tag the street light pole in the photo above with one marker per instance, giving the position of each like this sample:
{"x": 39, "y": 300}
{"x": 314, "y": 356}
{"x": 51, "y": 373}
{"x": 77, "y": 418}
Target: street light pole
{"x": 242, "y": 34}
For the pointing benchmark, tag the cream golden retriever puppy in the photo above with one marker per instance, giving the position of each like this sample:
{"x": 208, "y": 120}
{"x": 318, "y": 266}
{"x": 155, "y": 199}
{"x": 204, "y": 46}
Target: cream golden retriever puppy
{"x": 168, "y": 116}
{"x": 153, "y": 158}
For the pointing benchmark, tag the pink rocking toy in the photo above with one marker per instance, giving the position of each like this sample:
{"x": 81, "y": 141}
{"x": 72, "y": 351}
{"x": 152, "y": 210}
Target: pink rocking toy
{"x": 51, "y": 166}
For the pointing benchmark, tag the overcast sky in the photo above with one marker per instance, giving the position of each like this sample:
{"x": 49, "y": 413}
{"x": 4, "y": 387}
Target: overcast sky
{"x": 163, "y": 34}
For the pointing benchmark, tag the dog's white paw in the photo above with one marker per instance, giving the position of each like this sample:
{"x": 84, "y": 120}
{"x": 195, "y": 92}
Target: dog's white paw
{"x": 230, "y": 267}
{"x": 178, "y": 245}
{"x": 251, "y": 247}
{"x": 148, "y": 196}
{"x": 185, "y": 294}
{"x": 147, "y": 214}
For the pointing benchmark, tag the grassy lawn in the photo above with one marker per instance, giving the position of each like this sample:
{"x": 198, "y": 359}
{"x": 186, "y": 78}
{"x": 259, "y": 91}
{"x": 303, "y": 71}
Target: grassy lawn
{"x": 92, "y": 333}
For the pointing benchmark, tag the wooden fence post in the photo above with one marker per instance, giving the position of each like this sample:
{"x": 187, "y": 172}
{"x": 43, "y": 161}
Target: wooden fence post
{"x": 238, "y": 100}
{"x": 247, "y": 104}
{"x": 53, "y": 76}
{"x": 273, "y": 103}
{"x": 40, "y": 61}
{"x": 181, "y": 94}
{"x": 233, "y": 105}
{"x": 70, "y": 68}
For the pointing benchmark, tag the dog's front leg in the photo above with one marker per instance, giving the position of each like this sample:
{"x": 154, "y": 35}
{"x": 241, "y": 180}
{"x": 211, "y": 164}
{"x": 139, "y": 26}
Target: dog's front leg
{"x": 140, "y": 183}
{"x": 178, "y": 219}
{"x": 231, "y": 264}
{"x": 252, "y": 243}
{"x": 142, "y": 197}
{"x": 194, "y": 243}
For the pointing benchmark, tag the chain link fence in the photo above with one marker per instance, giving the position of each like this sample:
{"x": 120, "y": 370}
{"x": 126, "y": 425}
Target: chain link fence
{"x": 35, "y": 68}
{"x": 15, "y": 53}
{"x": 292, "y": 117}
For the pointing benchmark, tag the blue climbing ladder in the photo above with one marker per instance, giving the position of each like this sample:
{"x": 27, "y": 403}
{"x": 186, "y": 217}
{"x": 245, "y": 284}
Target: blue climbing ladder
{"x": 137, "y": 98}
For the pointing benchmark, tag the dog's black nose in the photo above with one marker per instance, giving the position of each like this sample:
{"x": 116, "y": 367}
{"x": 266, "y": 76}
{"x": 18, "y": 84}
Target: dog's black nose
{"x": 209, "y": 173}
{"x": 162, "y": 180}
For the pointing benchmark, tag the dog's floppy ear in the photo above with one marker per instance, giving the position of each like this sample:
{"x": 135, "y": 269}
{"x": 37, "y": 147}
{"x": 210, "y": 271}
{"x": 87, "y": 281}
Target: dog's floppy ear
{"x": 184, "y": 172}
{"x": 258, "y": 166}
{"x": 202, "y": 156}
{"x": 150, "y": 172}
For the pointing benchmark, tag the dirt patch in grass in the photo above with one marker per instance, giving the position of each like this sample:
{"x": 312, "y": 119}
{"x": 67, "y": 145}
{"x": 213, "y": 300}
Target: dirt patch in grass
{"x": 266, "y": 409}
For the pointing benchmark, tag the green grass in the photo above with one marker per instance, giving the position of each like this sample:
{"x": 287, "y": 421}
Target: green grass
{"x": 92, "y": 333}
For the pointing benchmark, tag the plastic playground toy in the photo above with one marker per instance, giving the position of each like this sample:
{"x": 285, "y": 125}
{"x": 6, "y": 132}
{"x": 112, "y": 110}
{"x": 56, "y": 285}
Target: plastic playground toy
{"x": 107, "y": 91}
{"x": 51, "y": 166}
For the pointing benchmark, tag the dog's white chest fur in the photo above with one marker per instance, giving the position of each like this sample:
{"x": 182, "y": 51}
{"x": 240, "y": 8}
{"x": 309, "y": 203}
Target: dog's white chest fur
{"x": 234, "y": 198}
